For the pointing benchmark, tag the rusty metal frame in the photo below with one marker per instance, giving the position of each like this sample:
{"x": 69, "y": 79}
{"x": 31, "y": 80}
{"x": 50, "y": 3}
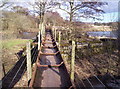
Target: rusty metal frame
{"x": 48, "y": 42}
{"x": 49, "y": 53}
{"x": 37, "y": 64}
{"x": 48, "y": 39}
{"x": 49, "y": 47}
{"x": 57, "y": 65}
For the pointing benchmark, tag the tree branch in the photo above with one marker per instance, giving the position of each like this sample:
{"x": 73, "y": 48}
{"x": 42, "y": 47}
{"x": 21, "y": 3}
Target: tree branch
{"x": 63, "y": 9}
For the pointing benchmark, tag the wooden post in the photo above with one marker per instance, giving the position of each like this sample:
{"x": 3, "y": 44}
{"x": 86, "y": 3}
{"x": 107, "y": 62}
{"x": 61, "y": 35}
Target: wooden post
{"x": 65, "y": 58}
{"x": 29, "y": 69}
{"x": 55, "y": 34}
{"x": 39, "y": 41}
{"x": 43, "y": 30}
{"x": 3, "y": 66}
{"x": 70, "y": 37}
{"x": 39, "y": 27}
{"x": 53, "y": 31}
{"x": 59, "y": 39}
{"x": 73, "y": 61}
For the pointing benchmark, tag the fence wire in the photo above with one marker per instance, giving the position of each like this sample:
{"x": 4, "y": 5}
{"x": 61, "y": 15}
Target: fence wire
{"x": 88, "y": 49}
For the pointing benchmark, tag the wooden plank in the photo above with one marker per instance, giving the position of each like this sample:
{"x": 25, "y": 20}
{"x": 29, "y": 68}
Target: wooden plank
{"x": 29, "y": 69}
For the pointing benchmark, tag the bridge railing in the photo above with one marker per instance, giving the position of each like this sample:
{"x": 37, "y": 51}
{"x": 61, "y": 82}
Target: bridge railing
{"x": 78, "y": 53}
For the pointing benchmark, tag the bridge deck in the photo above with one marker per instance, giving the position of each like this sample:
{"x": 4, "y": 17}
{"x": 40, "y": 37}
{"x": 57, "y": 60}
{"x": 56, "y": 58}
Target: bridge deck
{"x": 51, "y": 76}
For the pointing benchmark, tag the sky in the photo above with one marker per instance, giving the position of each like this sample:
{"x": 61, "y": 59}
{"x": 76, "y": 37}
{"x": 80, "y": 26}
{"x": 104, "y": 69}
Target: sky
{"x": 110, "y": 15}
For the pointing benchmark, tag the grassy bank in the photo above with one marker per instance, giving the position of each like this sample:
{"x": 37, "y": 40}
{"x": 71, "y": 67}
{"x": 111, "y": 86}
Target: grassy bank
{"x": 11, "y": 43}
{"x": 9, "y": 48}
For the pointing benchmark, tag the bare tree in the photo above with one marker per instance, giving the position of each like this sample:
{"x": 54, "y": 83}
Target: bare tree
{"x": 5, "y": 3}
{"x": 82, "y": 9}
{"x": 41, "y": 7}
{"x": 53, "y": 18}
{"x": 20, "y": 10}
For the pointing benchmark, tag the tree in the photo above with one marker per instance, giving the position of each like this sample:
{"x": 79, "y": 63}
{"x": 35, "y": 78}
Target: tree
{"x": 53, "y": 18}
{"x": 82, "y": 9}
{"x": 16, "y": 22}
{"x": 5, "y": 4}
{"x": 21, "y": 10}
{"x": 41, "y": 7}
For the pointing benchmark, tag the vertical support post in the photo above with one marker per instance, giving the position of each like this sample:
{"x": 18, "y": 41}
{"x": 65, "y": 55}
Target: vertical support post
{"x": 55, "y": 34}
{"x": 39, "y": 27}
{"x": 39, "y": 41}
{"x": 59, "y": 39}
{"x": 73, "y": 61}
{"x": 53, "y": 31}
{"x": 29, "y": 69}
{"x": 3, "y": 69}
{"x": 43, "y": 30}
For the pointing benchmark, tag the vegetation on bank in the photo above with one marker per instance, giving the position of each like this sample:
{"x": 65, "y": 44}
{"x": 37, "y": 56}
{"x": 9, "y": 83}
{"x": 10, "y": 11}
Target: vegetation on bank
{"x": 13, "y": 23}
{"x": 9, "y": 50}
{"x": 10, "y": 44}
{"x": 92, "y": 57}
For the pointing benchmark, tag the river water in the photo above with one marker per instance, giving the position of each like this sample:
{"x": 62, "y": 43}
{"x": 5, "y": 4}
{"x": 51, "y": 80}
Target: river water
{"x": 32, "y": 35}
{"x": 103, "y": 33}
{"x": 28, "y": 35}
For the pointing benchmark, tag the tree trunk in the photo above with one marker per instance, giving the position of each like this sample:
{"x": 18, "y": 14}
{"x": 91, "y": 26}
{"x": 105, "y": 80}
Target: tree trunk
{"x": 71, "y": 18}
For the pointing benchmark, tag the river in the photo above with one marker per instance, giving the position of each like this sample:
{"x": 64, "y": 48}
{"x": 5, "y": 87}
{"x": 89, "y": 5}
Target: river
{"x": 32, "y": 35}
{"x": 103, "y": 33}
{"x": 28, "y": 35}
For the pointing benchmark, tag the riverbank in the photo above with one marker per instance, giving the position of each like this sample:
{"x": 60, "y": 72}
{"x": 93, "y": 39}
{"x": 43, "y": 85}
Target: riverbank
{"x": 9, "y": 50}
{"x": 10, "y": 44}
